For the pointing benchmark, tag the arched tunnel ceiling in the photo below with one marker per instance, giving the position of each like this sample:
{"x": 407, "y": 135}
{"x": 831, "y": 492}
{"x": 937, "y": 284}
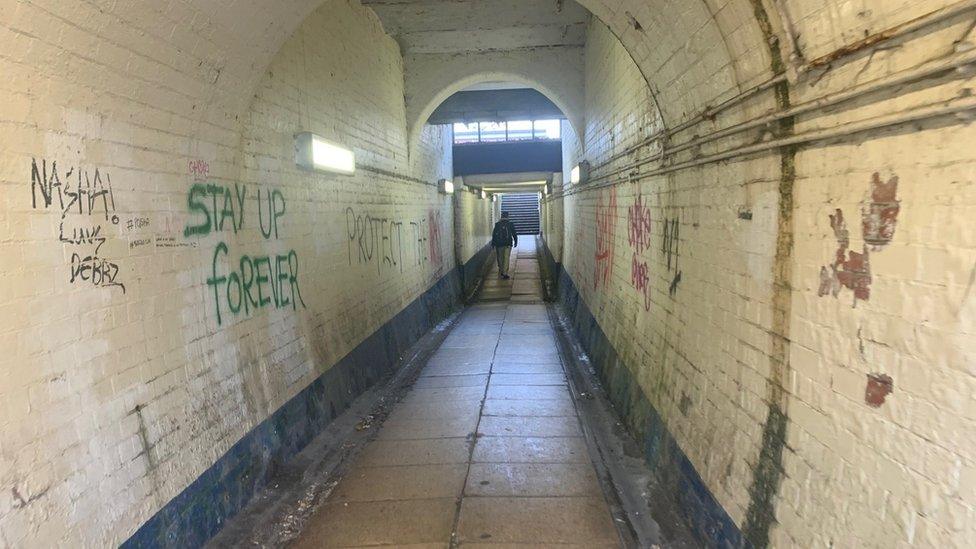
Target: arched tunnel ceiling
{"x": 452, "y": 26}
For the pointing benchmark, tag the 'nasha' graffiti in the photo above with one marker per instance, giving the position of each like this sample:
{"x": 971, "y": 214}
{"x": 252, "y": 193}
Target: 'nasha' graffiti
{"x": 639, "y": 225}
{"x": 253, "y": 282}
{"x": 606, "y": 216}
{"x": 87, "y": 204}
{"x": 850, "y": 269}
{"x": 393, "y": 244}
{"x": 639, "y": 238}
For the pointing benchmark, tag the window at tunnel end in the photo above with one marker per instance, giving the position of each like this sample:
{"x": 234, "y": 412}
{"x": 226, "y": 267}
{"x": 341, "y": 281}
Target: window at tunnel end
{"x": 507, "y": 131}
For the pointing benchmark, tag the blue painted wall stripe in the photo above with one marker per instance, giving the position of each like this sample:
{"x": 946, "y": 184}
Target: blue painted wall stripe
{"x": 223, "y": 490}
{"x": 677, "y": 479}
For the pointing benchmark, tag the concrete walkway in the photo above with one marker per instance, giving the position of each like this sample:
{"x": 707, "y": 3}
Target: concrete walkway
{"x": 526, "y": 478}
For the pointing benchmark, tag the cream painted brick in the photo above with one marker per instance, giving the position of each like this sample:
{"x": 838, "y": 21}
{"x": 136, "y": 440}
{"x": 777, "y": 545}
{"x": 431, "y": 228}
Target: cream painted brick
{"x": 917, "y": 327}
{"x": 139, "y": 88}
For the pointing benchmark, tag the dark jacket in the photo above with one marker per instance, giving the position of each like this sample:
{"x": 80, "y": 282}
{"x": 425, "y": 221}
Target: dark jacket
{"x": 513, "y": 236}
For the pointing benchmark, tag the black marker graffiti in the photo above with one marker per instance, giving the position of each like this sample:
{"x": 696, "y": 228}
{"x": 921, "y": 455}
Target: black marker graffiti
{"x": 381, "y": 241}
{"x": 88, "y": 197}
{"x": 669, "y": 247}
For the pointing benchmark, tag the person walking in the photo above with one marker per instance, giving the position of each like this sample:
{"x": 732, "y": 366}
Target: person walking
{"x": 503, "y": 237}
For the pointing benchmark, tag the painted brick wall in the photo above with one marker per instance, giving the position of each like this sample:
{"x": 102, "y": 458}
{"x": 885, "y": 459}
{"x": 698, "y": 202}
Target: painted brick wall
{"x": 688, "y": 277}
{"x": 474, "y": 222}
{"x": 159, "y": 95}
{"x": 127, "y": 376}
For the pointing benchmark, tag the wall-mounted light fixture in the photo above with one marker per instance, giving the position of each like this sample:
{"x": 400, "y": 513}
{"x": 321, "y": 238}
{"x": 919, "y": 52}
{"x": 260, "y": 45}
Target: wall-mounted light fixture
{"x": 312, "y": 152}
{"x": 580, "y": 173}
{"x": 445, "y": 186}
{"x": 494, "y": 198}
{"x": 484, "y": 195}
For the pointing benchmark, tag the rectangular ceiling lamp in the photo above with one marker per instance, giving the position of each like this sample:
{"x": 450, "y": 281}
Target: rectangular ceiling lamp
{"x": 315, "y": 153}
{"x": 445, "y": 186}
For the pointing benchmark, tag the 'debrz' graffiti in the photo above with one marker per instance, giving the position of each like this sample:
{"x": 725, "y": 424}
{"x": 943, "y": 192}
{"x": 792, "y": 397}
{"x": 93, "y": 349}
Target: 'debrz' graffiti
{"x": 243, "y": 283}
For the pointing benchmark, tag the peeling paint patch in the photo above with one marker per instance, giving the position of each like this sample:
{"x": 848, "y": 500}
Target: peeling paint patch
{"x": 879, "y": 386}
{"x": 852, "y": 270}
{"x": 879, "y": 217}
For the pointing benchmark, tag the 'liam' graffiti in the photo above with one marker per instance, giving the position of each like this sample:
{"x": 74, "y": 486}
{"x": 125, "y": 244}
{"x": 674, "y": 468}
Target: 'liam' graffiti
{"x": 251, "y": 283}
{"x": 86, "y": 202}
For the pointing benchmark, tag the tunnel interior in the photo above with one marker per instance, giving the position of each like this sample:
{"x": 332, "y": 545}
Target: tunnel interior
{"x": 228, "y": 227}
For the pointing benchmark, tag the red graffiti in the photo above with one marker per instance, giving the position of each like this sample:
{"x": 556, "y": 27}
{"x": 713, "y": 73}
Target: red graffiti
{"x": 199, "y": 169}
{"x": 879, "y": 217}
{"x": 852, "y": 270}
{"x": 434, "y": 237}
{"x": 639, "y": 225}
{"x": 639, "y": 279}
{"x": 606, "y": 215}
{"x": 879, "y": 386}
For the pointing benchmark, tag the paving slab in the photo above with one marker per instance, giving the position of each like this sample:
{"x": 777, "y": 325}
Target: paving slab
{"x": 505, "y": 367}
{"x": 436, "y": 382}
{"x": 529, "y": 408}
{"x": 536, "y": 520}
{"x": 514, "y": 426}
{"x": 401, "y": 482}
{"x": 536, "y": 392}
{"x": 530, "y": 450}
{"x": 415, "y": 452}
{"x": 528, "y": 379}
{"x": 345, "y": 524}
{"x": 532, "y": 479}
{"x": 485, "y": 448}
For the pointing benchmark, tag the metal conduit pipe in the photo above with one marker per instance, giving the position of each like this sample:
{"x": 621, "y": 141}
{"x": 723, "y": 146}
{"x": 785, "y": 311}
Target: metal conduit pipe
{"x": 926, "y": 70}
{"x": 955, "y": 107}
{"x": 707, "y": 114}
{"x": 892, "y": 33}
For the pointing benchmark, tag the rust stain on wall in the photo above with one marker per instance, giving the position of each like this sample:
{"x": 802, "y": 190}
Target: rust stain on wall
{"x": 879, "y": 386}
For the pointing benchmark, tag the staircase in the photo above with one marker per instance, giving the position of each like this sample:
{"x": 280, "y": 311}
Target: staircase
{"x": 523, "y": 210}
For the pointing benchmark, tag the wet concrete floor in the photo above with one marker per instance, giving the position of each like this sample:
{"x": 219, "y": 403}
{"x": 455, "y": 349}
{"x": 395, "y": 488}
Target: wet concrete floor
{"x": 486, "y": 449}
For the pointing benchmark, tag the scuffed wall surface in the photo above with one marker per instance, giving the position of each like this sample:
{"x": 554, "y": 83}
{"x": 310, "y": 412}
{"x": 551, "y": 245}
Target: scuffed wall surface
{"x": 473, "y": 222}
{"x": 654, "y": 263}
{"x": 833, "y": 284}
{"x": 196, "y": 278}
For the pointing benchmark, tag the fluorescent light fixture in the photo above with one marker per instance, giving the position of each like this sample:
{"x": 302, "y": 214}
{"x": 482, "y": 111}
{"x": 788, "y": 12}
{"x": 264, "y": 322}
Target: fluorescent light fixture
{"x": 446, "y": 186}
{"x": 315, "y": 153}
{"x": 580, "y": 173}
